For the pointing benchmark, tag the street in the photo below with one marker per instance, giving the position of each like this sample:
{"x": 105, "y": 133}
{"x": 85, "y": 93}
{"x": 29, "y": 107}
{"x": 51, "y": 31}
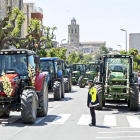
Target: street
{"x": 68, "y": 119}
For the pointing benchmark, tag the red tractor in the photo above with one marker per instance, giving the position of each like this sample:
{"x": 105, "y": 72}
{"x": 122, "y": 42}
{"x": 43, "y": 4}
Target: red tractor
{"x": 31, "y": 100}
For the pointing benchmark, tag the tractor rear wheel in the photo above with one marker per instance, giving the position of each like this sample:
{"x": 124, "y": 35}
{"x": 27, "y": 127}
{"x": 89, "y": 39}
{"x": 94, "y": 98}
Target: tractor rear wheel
{"x": 4, "y": 113}
{"x": 43, "y": 100}
{"x": 81, "y": 85}
{"x": 99, "y": 93}
{"x": 134, "y": 97}
{"x": 57, "y": 90}
{"x": 28, "y": 106}
{"x": 66, "y": 84}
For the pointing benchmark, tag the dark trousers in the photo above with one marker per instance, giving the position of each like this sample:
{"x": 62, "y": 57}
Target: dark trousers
{"x": 93, "y": 117}
{"x": 139, "y": 87}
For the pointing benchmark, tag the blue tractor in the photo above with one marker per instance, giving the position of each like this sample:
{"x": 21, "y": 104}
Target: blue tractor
{"x": 55, "y": 79}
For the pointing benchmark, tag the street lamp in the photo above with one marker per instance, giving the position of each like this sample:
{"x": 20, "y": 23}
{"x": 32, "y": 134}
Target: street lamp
{"x": 126, "y": 38}
{"x": 120, "y": 47}
{"x": 61, "y": 41}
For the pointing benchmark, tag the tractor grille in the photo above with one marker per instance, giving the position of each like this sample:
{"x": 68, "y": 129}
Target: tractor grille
{"x": 74, "y": 75}
{"x": 87, "y": 76}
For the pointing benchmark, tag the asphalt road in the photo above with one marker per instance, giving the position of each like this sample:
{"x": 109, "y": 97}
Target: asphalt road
{"x": 68, "y": 119}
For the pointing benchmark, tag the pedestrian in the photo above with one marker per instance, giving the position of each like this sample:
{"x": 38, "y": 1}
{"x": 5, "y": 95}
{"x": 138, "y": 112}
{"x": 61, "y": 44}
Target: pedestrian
{"x": 139, "y": 80}
{"x": 92, "y": 101}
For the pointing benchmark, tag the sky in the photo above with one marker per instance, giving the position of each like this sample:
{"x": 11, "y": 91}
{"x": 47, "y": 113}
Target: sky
{"x": 99, "y": 20}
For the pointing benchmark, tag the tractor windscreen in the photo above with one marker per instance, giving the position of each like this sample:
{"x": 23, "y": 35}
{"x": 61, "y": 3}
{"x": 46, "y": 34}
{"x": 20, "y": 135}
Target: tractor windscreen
{"x": 78, "y": 67}
{"x": 47, "y": 66}
{"x": 94, "y": 68}
{"x": 118, "y": 63}
{"x": 17, "y": 63}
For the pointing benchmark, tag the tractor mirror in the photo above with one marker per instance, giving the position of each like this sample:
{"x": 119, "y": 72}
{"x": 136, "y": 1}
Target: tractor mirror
{"x": 37, "y": 60}
{"x": 138, "y": 62}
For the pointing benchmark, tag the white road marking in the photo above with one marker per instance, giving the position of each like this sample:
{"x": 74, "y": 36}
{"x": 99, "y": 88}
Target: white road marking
{"x": 110, "y": 120}
{"x": 121, "y": 132}
{"x": 39, "y": 119}
{"x": 61, "y": 119}
{"x": 84, "y": 120}
{"x": 118, "y": 137}
{"x": 133, "y": 121}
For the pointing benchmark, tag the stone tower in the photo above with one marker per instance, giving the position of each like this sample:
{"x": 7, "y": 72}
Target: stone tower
{"x": 73, "y": 33}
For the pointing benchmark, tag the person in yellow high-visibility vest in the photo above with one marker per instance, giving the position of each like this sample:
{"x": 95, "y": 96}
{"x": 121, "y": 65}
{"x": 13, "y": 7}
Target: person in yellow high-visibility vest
{"x": 92, "y": 101}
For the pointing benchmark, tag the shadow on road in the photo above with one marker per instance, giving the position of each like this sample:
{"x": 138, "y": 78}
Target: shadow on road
{"x": 64, "y": 99}
{"x": 120, "y": 107}
{"x": 44, "y": 121}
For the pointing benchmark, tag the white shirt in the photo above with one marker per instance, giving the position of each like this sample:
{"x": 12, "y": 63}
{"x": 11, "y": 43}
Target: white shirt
{"x": 138, "y": 80}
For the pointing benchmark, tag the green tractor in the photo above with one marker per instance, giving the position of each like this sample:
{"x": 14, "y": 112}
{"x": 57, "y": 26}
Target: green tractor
{"x": 116, "y": 81}
{"x": 89, "y": 75}
{"x": 78, "y": 70}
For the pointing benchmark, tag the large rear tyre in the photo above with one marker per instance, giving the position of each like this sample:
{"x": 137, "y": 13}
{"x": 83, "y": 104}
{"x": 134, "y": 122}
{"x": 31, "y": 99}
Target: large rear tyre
{"x": 57, "y": 90}
{"x": 43, "y": 100}
{"x": 28, "y": 106}
{"x": 66, "y": 84}
{"x": 81, "y": 85}
{"x": 99, "y": 93}
{"x": 4, "y": 113}
{"x": 134, "y": 97}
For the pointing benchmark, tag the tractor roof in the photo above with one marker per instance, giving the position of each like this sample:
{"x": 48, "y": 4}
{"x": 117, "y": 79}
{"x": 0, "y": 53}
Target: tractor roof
{"x": 48, "y": 58}
{"x": 16, "y": 51}
{"x": 117, "y": 56}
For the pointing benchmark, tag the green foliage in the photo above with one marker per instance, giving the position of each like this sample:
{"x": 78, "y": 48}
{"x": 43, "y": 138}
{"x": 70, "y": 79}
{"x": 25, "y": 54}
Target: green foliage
{"x": 88, "y": 57}
{"x": 42, "y": 53}
{"x": 102, "y": 50}
{"x": 123, "y": 52}
{"x": 73, "y": 58}
{"x": 57, "y": 52}
{"x": 81, "y": 55}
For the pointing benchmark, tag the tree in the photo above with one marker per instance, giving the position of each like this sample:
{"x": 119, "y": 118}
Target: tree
{"x": 123, "y": 52}
{"x": 88, "y": 57}
{"x": 102, "y": 50}
{"x": 42, "y": 53}
{"x": 8, "y": 31}
{"x": 73, "y": 58}
{"x": 57, "y": 52}
{"x": 81, "y": 55}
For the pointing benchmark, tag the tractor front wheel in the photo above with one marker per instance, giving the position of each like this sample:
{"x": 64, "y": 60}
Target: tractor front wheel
{"x": 43, "y": 100}
{"x": 28, "y": 106}
{"x": 81, "y": 85}
{"x": 66, "y": 84}
{"x": 99, "y": 89}
{"x": 57, "y": 90}
{"x": 134, "y": 98}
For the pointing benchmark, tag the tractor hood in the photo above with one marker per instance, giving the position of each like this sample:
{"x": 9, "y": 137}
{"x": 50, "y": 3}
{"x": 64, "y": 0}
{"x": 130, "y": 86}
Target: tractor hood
{"x": 75, "y": 72}
{"x": 117, "y": 75}
{"x": 91, "y": 72}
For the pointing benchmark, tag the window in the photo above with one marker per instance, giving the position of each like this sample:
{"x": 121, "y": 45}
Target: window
{"x": 75, "y": 30}
{"x": 71, "y": 30}
{"x": 69, "y": 52}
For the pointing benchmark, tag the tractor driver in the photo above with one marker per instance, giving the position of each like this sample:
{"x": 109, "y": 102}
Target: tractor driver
{"x": 20, "y": 66}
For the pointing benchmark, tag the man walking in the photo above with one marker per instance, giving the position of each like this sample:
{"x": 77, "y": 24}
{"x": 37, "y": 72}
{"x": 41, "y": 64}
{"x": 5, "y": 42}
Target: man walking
{"x": 92, "y": 101}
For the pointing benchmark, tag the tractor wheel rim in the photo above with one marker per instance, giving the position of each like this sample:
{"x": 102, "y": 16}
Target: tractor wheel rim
{"x": 34, "y": 107}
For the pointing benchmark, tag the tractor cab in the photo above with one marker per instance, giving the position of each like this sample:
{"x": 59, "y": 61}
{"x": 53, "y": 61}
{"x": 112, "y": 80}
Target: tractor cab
{"x": 78, "y": 70}
{"x": 49, "y": 66}
{"x": 93, "y": 68}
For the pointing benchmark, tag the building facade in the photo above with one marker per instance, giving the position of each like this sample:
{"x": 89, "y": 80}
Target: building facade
{"x": 73, "y": 33}
{"x": 134, "y": 41}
